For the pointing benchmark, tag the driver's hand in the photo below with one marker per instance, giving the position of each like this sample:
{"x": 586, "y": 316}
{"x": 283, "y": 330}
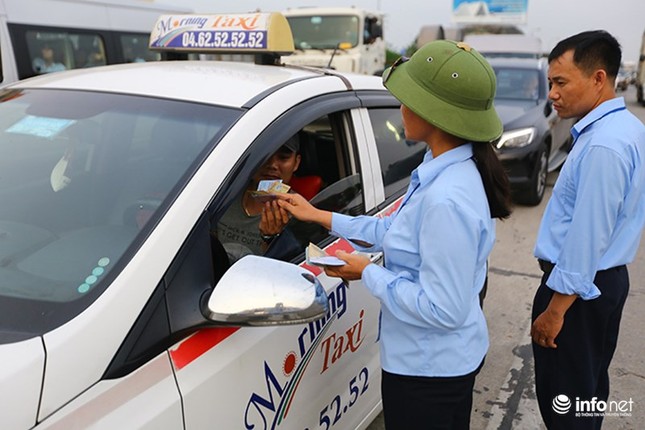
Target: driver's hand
{"x": 273, "y": 219}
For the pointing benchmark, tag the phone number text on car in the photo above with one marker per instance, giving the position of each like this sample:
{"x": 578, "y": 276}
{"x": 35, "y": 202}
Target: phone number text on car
{"x": 224, "y": 39}
{"x": 332, "y": 413}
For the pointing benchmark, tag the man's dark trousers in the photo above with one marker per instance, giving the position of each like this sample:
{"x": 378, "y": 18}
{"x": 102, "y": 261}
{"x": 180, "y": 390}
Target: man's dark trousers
{"x": 578, "y": 367}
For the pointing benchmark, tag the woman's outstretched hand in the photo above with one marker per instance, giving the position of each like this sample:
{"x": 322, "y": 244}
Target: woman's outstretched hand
{"x": 302, "y": 210}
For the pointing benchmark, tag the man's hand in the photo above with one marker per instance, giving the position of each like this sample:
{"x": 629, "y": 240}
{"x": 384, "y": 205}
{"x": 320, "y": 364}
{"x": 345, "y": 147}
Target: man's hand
{"x": 546, "y": 328}
{"x": 548, "y": 324}
{"x": 273, "y": 219}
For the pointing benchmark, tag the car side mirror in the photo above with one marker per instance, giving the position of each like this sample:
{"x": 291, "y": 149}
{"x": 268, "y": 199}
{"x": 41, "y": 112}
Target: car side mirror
{"x": 259, "y": 291}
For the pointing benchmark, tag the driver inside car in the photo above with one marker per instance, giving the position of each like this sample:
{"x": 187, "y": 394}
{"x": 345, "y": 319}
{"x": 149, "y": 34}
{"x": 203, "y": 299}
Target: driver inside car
{"x": 250, "y": 224}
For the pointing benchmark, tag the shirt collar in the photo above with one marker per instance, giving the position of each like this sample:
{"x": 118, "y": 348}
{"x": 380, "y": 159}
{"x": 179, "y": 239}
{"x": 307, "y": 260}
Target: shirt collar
{"x": 431, "y": 166}
{"x": 605, "y": 108}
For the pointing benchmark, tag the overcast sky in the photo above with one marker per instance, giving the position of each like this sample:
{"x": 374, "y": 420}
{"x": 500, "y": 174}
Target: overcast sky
{"x": 550, "y": 20}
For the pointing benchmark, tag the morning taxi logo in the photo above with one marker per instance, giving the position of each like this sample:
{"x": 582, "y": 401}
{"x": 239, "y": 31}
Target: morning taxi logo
{"x": 269, "y": 407}
{"x": 561, "y": 404}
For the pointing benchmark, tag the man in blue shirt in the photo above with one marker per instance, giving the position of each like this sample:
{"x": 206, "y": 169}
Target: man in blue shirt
{"x": 47, "y": 63}
{"x": 590, "y": 231}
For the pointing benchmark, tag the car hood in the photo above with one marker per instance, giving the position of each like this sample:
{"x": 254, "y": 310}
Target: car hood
{"x": 511, "y": 111}
{"x": 21, "y": 377}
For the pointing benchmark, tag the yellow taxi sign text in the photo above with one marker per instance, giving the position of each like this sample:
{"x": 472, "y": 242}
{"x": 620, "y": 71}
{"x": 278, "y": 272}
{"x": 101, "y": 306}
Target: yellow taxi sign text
{"x": 259, "y": 32}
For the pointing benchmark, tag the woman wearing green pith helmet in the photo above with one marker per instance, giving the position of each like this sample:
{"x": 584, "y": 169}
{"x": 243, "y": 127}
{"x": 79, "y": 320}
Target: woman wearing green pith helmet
{"x": 433, "y": 332}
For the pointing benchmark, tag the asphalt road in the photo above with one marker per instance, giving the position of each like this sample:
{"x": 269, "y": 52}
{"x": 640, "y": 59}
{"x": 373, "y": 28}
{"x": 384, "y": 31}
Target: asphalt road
{"x": 504, "y": 396}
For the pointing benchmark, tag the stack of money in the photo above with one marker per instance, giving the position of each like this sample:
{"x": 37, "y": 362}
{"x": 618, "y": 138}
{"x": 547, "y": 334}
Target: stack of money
{"x": 318, "y": 257}
{"x": 268, "y": 188}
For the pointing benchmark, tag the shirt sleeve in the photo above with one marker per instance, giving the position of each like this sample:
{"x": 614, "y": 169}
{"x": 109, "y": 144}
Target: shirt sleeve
{"x": 442, "y": 297}
{"x": 602, "y": 186}
{"x": 361, "y": 231}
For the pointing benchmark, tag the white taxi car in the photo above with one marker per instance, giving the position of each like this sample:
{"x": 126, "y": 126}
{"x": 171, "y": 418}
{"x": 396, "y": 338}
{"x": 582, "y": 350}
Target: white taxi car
{"x": 117, "y": 307}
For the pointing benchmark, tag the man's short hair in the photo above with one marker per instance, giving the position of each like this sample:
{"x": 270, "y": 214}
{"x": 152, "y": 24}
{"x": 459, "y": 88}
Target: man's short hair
{"x": 592, "y": 50}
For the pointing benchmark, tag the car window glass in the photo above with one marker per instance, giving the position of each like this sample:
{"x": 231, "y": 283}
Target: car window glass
{"x": 325, "y": 176}
{"x": 397, "y": 155}
{"x": 324, "y": 32}
{"x": 55, "y": 51}
{"x": 135, "y": 48}
{"x": 518, "y": 84}
{"x": 83, "y": 176}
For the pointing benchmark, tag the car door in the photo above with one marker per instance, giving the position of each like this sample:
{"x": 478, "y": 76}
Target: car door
{"x": 318, "y": 375}
{"x": 394, "y": 157}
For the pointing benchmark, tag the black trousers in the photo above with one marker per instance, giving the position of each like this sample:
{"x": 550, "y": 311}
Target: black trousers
{"x": 578, "y": 367}
{"x": 424, "y": 403}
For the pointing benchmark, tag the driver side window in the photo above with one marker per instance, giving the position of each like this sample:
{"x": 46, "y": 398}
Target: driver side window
{"x": 324, "y": 171}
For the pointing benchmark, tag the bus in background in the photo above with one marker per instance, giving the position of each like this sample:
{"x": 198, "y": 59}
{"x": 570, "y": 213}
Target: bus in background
{"x": 640, "y": 74}
{"x": 43, "y": 36}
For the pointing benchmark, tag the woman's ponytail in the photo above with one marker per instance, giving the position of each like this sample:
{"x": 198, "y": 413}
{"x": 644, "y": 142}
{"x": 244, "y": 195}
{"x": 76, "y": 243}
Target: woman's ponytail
{"x": 494, "y": 178}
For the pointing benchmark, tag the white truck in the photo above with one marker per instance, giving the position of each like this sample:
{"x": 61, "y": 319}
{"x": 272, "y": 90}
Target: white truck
{"x": 346, "y": 39}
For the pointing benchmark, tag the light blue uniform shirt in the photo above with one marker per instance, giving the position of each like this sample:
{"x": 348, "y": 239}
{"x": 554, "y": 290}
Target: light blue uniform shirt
{"x": 435, "y": 249}
{"x": 595, "y": 216}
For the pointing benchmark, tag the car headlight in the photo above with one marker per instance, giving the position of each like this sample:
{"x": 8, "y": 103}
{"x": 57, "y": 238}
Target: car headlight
{"x": 516, "y": 138}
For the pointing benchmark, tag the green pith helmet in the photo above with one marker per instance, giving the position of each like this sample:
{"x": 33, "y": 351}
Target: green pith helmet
{"x": 451, "y": 86}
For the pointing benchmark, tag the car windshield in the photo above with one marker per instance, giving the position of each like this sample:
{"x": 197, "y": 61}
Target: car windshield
{"x": 83, "y": 178}
{"x": 323, "y": 32}
{"x": 517, "y": 84}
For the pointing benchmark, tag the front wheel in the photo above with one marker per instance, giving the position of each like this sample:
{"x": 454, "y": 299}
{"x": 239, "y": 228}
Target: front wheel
{"x": 537, "y": 185}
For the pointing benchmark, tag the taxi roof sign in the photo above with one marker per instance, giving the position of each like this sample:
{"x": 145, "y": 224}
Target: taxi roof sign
{"x": 252, "y": 33}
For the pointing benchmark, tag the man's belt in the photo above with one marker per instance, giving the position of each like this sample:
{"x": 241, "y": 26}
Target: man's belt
{"x": 545, "y": 266}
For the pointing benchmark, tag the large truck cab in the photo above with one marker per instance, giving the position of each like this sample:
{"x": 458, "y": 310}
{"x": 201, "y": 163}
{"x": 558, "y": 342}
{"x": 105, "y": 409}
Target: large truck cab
{"x": 346, "y": 39}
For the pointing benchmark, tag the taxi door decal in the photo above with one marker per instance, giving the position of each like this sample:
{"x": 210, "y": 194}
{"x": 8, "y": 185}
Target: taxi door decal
{"x": 197, "y": 344}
